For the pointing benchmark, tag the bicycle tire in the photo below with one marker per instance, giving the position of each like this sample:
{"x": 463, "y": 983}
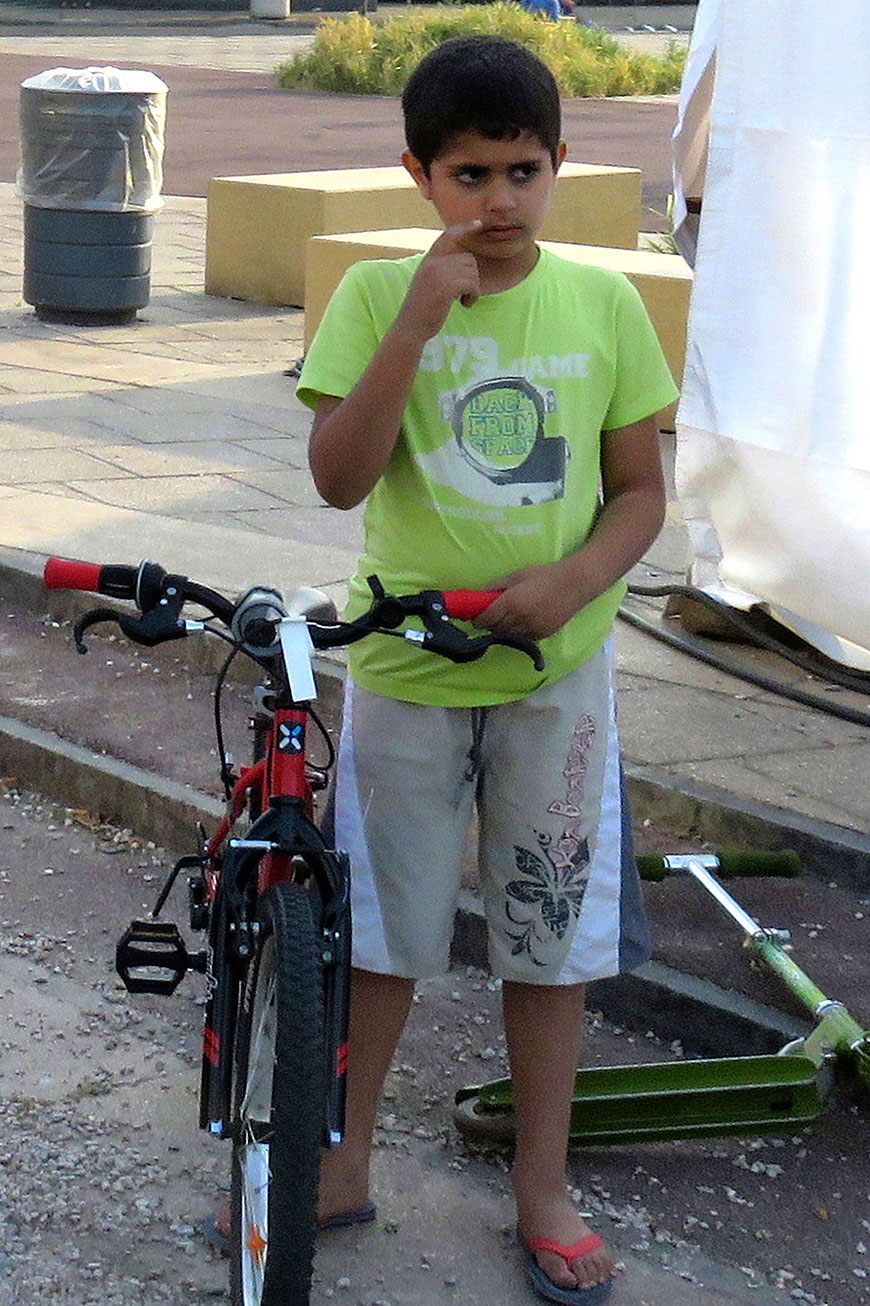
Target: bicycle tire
{"x": 279, "y": 1107}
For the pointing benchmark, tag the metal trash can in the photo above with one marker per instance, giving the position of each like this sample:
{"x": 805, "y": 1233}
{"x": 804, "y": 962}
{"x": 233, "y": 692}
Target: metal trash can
{"x": 91, "y": 174}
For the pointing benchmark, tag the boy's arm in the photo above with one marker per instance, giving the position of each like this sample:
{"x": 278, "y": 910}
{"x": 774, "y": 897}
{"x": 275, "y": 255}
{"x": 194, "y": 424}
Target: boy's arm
{"x": 539, "y": 600}
{"x": 352, "y": 438}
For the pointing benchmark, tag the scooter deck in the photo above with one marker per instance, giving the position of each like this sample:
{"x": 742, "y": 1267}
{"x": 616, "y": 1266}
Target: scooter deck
{"x": 683, "y": 1099}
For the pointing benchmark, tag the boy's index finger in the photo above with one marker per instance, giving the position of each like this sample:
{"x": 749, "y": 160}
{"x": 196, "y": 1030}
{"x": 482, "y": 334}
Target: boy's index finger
{"x": 453, "y": 238}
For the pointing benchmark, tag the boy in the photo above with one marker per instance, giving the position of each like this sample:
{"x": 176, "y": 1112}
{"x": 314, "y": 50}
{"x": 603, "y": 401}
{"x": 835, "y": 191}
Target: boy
{"x": 476, "y": 396}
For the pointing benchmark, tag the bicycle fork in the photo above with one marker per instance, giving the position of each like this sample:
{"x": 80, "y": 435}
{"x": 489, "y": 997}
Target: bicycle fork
{"x": 232, "y": 946}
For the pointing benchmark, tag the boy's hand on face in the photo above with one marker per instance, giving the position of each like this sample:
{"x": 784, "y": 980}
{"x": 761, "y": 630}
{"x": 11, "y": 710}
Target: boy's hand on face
{"x": 447, "y": 273}
{"x": 536, "y": 603}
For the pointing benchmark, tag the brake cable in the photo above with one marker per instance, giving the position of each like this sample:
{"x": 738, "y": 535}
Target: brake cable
{"x": 226, "y": 771}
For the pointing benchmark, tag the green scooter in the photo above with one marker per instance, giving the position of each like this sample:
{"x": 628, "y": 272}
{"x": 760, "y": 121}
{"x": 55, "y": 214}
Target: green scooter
{"x": 711, "y": 1097}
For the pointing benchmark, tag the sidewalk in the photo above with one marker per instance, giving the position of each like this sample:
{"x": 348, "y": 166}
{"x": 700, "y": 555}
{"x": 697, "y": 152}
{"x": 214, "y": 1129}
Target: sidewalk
{"x": 664, "y": 17}
{"x": 236, "y": 41}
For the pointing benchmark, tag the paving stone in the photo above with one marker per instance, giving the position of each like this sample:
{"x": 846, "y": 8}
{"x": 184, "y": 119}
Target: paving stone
{"x": 293, "y": 485}
{"x": 189, "y": 457}
{"x": 818, "y": 782}
{"x": 317, "y": 525}
{"x": 172, "y": 496}
{"x": 19, "y": 466}
{"x": 657, "y": 728}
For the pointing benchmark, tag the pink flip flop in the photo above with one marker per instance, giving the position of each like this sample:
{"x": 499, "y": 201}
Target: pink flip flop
{"x": 544, "y": 1285}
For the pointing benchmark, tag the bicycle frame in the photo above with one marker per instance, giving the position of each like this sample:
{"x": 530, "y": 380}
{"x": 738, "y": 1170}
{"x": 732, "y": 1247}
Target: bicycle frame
{"x": 282, "y": 843}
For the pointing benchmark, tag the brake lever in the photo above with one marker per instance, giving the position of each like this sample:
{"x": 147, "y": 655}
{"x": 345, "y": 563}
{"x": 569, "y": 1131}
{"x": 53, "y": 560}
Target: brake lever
{"x": 156, "y": 627}
{"x": 454, "y": 644}
{"x": 440, "y": 635}
{"x": 90, "y": 619}
{"x": 524, "y": 645}
{"x": 441, "y": 629}
{"x": 159, "y": 625}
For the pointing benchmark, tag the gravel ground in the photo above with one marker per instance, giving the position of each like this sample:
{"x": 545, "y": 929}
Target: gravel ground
{"x": 103, "y": 1174}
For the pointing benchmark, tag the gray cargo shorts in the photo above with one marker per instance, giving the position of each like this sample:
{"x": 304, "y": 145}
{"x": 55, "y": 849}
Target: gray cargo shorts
{"x": 556, "y": 866}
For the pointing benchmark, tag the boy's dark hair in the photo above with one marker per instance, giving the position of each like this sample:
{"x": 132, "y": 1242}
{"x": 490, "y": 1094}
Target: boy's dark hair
{"x": 479, "y": 83}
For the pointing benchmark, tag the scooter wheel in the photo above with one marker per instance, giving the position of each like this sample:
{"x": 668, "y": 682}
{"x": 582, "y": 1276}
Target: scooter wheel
{"x": 480, "y": 1125}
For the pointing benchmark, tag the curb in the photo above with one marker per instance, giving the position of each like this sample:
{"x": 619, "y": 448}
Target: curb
{"x": 720, "y": 818}
{"x": 160, "y": 810}
{"x": 709, "y": 1020}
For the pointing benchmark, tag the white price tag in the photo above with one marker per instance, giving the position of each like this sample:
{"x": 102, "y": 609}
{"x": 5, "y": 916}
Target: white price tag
{"x": 298, "y": 653}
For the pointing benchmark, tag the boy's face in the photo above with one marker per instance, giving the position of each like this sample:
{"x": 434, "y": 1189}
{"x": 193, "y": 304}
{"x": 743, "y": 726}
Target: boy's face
{"x": 505, "y": 184}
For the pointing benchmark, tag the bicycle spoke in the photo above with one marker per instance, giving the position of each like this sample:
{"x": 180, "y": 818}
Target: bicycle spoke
{"x": 254, "y": 1164}
{"x": 257, "y": 1101}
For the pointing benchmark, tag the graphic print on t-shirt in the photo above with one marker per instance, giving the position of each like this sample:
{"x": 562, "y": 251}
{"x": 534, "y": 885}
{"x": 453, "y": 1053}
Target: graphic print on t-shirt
{"x": 499, "y": 452}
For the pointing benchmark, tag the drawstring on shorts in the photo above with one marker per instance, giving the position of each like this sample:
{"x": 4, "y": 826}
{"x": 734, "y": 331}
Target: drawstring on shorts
{"x": 475, "y": 752}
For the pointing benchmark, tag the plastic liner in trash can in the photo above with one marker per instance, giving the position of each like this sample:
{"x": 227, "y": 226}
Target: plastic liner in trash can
{"x": 91, "y": 173}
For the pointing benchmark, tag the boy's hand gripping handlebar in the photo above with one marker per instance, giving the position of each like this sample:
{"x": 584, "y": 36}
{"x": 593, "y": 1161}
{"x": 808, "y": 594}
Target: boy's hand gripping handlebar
{"x": 439, "y": 635}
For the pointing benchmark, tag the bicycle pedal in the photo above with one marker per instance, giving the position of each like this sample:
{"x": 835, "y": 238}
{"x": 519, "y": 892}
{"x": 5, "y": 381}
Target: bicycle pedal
{"x": 151, "y": 957}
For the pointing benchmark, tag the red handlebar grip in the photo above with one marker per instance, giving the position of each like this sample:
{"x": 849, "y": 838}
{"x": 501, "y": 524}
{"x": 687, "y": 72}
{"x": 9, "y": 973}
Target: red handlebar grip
{"x": 464, "y": 605}
{"x": 66, "y": 574}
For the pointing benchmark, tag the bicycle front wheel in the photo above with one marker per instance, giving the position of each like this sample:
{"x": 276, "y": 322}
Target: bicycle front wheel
{"x": 279, "y": 1099}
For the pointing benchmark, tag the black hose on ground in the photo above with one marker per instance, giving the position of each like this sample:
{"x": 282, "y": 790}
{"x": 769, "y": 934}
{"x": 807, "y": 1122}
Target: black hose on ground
{"x": 697, "y": 649}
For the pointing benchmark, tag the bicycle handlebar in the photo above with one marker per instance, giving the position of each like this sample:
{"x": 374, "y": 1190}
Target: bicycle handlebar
{"x": 465, "y": 605}
{"x": 66, "y": 574}
{"x": 160, "y": 598}
{"x": 729, "y": 865}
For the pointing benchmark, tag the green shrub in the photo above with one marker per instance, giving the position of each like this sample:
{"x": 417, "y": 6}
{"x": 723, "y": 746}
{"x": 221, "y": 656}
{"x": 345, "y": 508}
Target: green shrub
{"x": 353, "y": 55}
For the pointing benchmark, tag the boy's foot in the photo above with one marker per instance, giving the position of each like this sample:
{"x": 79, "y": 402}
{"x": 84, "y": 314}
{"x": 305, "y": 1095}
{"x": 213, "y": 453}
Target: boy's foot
{"x": 579, "y": 1260}
{"x": 570, "y": 1257}
{"x": 215, "y": 1228}
{"x": 343, "y": 1199}
{"x": 344, "y": 1189}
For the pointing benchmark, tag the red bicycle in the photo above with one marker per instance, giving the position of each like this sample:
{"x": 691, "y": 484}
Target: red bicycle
{"x": 273, "y": 899}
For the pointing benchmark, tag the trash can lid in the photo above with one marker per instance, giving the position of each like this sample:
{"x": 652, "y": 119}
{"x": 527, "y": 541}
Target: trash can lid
{"x": 130, "y": 81}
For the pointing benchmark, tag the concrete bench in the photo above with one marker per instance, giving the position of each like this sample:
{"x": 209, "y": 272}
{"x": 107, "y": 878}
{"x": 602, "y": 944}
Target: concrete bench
{"x": 662, "y": 280}
{"x": 258, "y": 227}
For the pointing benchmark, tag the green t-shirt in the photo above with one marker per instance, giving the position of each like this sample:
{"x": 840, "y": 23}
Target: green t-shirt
{"x": 497, "y": 464}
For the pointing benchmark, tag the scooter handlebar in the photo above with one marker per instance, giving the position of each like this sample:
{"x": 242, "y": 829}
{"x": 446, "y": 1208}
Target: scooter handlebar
{"x": 784, "y": 863}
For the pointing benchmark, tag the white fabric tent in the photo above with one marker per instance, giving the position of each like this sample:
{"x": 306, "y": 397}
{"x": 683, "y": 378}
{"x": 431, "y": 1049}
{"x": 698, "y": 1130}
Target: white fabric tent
{"x": 773, "y": 429}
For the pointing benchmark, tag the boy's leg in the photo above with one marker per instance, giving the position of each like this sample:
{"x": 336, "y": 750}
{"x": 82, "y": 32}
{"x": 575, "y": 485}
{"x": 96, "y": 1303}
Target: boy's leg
{"x": 379, "y": 1006}
{"x": 402, "y": 805}
{"x": 543, "y": 1026}
{"x": 563, "y": 907}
